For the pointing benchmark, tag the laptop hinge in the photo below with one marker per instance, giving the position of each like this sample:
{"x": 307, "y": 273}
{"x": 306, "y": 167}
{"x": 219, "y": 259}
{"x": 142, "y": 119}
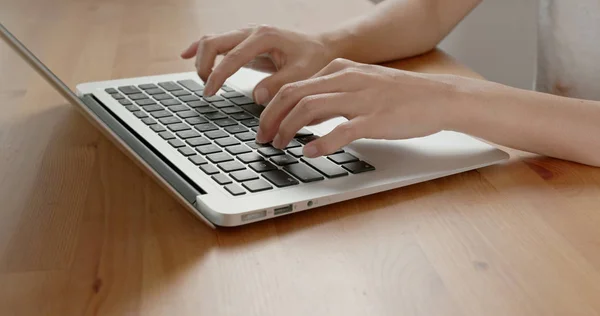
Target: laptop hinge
{"x": 174, "y": 177}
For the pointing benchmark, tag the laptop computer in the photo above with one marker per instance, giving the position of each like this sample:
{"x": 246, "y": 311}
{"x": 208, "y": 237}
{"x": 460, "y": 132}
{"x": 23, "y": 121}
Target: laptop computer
{"x": 202, "y": 150}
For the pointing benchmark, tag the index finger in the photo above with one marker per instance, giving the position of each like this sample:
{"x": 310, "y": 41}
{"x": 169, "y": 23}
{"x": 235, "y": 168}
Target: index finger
{"x": 255, "y": 45}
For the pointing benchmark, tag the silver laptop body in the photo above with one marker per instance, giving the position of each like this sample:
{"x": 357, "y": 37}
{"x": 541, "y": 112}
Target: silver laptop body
{"x": 202, "y": 150}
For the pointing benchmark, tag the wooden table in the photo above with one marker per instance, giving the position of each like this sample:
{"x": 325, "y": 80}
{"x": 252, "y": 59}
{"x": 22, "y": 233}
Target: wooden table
{"x": 83, "y": 231}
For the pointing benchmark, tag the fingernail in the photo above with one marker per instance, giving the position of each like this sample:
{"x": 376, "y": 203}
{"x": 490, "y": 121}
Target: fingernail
{"x": 310, "y": 151}
{"x": 260, "y": 137}
{"x": 261, "y": 96}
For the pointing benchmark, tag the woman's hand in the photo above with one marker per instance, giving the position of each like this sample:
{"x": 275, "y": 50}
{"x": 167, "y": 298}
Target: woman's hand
{"x": 379, "y": 102}
{"x": 296, "y": 56}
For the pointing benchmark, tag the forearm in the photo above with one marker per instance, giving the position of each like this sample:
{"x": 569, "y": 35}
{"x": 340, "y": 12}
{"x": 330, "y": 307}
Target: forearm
{"x": 541, "y": 123}
{"x": 397, "y": 29}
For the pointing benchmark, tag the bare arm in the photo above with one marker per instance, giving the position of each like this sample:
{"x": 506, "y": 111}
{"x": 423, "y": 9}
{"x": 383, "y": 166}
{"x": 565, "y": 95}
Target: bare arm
{"x": 555, "y": 126}
{"x": 397, "y": 29}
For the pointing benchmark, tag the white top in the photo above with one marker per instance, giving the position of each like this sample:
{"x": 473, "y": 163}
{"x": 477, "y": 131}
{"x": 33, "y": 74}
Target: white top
{"x": 569, "y": 48}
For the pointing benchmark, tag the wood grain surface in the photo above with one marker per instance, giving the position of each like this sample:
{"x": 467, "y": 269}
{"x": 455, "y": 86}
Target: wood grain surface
{"x": 83, "y": 231}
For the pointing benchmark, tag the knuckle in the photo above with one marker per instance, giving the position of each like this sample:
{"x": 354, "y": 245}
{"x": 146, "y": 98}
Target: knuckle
{"x": 265, "y": 29}
{"x": 308, "y": 105}
{"x": 206, "y": 40}
{"x": 352, "y": 73}
{"x": 287, "y": 90}
{"x": 347, "y": 131}
{"x": 340, "y": 62}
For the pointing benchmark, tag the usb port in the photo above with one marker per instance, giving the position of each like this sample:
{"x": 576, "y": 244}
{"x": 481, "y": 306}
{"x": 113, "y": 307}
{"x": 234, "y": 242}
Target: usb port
{"x": 283, "y": 210}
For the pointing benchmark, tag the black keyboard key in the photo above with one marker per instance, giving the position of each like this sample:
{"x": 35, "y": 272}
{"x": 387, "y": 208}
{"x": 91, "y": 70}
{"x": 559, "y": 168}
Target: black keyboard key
{"x": 284, "y": 160}
{"x": 191, "y": 85}
{"x": 303, "y": 172}
{"x": 225, "y": 122}
{"x": 178, "y": 108}
{"x": 188, "y": 134}
{"x": 205, "y": 127}
{"x": 253, "y": 109}
{"x": 250, "y": 157}
{"x": 262, "y": 166}
{"x": 222, "y": 179}
{"x": 169, "y": 120}
{"x": 222, "y": 104}
{"x": 132, "y": 108}
{"x": 234, "y": 129}
{"x": 187, "y": 114}
{"x": 166, "y": 135}
{"x": 257, "y": 185}
{"x": 343, "y": 158}
{"x": 111, "y": 90}
{"x": 255, "y": 145}
{"x": 219, "y": 157}
{"x": 326, "y": 167}
{"x": 170, "y": 86}
{"x": 197, "y": 104}
{"x": 232, "y": 94}
{"x": 296, "y": 152}
{"x": 180, "y": 93}
{"x": 176, "y": 143}
{"x": 231, "y": 166}
{"x": 208, "y": 149}
{"x": 251, "y": 122}
{"x": 178, "y": 127}
{"x": 209, "y": 169}
{"x": 189, "y": 98}
{"x": 129, "y": 90}
{"x": 214, "y": 98}
{"x": 242, "y": 116}
{"x": 238, "y": 149}
{"x": 280, "y": 178}
{"x": 307, "y": 139}
{"x": 155, "y": 91}
{"x": 235, "y": 189}
{"x": 140, "y": 114}
{"x": 137, "y": 96}
{"x": 161, "y": 114}
{"x": 196, "y": 120}
{"x": 246, "y": 136}
{"x": 215, "y": 116}
{"x": 125, "y": 102}
{"x": 244, "y": 175}
{"x": 242, "y": 100}
{"x": 216, "y": 134}
{"x": 158, "y": 128}
{"x": 170, "y": 102}
{"x": 187, "y": 151}
{"x": 303, "y": 132}
{"x": 197, "y": 160}
{"x": 147, "y": 102}
{"x": 147, "y": 86}
{"x": 206, "y": 110}
{"x": 152, "y": 107}
{"x": 358, "y": 167}
{"x": 293, "y": 144}
{"x": 229, "y": 141}
{"x": 148, "y": 121}
{"x": 162, "y": 96}
{"x": 197, "y": 141}
{"x": 226, "y": 88}
{"x": 232, "y": 110}
{"x": 270, "y": 151}
{"x": 118, "y": 96}
{"x": 255, "y": 128}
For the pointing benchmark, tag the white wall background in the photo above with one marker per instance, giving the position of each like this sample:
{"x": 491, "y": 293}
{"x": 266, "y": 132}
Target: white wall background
{"x": 498, "y": 40}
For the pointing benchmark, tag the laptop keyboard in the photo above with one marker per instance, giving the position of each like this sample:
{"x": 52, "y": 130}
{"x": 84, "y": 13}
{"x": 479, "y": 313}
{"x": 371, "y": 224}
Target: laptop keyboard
{"x": 217, "y": 134}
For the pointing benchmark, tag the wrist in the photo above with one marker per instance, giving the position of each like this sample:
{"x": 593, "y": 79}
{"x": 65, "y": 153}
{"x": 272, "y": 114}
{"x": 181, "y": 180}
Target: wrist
{"x": 461, "y": 109}
{"x": 337, "y": 43}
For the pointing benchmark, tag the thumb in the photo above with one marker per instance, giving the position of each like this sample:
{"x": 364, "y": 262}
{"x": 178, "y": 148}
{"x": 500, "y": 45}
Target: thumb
{"x": 268, "y": 87}
{"x": 339, "y": 137}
